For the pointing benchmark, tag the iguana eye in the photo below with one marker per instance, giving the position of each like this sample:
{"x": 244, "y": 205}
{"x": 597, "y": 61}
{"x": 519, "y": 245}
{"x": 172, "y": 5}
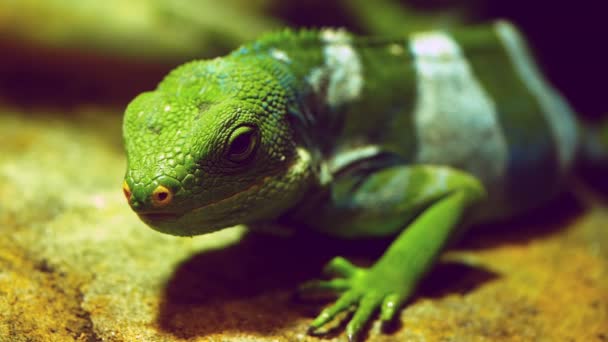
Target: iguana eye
{"x": 243, "y": 142}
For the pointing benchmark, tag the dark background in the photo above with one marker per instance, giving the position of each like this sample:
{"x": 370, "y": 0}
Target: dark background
{"x": 569, "y": 39}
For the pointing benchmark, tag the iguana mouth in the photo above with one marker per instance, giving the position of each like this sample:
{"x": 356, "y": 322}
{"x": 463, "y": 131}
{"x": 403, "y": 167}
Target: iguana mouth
{"x": 252, "y": 188}
{"x": 155, "y": 217}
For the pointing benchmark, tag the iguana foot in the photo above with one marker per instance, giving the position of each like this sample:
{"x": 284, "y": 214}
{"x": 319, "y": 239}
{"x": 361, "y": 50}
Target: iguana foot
{"x": 363, "y": 289}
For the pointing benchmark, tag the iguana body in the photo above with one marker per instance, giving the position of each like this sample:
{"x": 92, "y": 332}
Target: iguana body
{"x": 353, "y": 137}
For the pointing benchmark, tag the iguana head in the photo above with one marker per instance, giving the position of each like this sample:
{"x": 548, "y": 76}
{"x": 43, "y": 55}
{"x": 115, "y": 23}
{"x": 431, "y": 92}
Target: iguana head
{"x": 211, "y": 147}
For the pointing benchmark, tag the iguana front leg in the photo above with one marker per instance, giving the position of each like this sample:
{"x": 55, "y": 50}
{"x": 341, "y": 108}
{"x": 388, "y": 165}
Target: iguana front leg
{"x": 437, "y": 197}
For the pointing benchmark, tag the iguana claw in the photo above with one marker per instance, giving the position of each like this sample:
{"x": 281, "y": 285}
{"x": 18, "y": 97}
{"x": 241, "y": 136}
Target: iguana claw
{"x": 366, "y": 290}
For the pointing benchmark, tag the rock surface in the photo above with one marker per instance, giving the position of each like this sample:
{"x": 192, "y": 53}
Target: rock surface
{"x": 77, "y": 264}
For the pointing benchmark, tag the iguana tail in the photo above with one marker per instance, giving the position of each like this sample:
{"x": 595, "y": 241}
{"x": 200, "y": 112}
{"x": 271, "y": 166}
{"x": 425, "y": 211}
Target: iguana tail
{"x": 594, "y": 154}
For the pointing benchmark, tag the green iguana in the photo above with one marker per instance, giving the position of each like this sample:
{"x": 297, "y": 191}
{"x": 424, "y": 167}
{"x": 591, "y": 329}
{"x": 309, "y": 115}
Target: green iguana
{"x": 353, "y": 137}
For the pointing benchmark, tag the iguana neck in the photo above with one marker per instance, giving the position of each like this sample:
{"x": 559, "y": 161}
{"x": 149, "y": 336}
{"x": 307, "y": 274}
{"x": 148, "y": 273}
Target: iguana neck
{"x": 333, "y": 75}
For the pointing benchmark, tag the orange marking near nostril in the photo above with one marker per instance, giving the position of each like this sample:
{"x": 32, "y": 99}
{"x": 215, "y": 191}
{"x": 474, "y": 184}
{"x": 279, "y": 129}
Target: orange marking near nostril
{"x": 161, "y": 196}
{"x": 126, "y": 190}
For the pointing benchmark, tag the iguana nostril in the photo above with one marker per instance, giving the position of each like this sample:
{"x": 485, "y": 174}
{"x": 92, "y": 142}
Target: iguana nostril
{"x": 126, "y": 190}
{"x": 161, "y": 196}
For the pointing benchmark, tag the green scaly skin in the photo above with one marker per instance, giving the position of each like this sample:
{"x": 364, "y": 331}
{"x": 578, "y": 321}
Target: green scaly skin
{"x": 316, "y": 130}
{"x": 177, "y": 136}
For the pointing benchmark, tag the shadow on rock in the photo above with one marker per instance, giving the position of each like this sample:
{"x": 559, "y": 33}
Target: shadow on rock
{"x": 250, "y": 286}
{"x": 544, "y": 221}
